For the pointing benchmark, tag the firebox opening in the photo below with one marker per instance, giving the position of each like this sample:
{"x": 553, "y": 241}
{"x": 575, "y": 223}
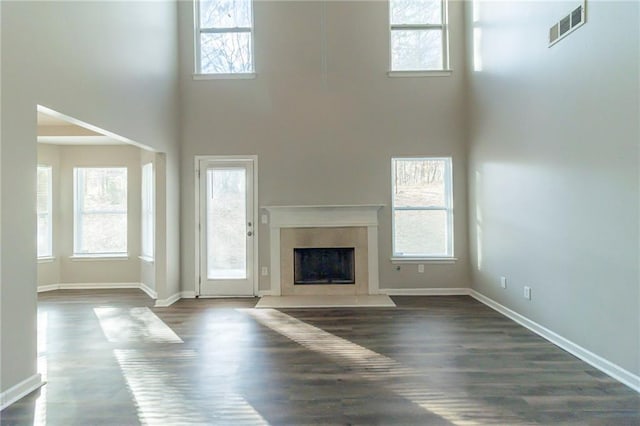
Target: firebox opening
{"x": 324, "y": 265}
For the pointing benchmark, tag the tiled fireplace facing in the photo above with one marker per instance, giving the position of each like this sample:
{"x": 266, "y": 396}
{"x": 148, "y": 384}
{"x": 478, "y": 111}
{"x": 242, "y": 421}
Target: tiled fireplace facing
{"x": 330, "y": 227}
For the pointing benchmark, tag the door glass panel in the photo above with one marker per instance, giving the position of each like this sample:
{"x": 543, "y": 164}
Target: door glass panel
{"x": 226, "y": 223}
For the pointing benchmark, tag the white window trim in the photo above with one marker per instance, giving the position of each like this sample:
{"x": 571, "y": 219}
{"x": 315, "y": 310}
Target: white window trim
{"x": 438, "y": 73}
{"x": 99, "y": 257}
{"x": 236, "y": 76}
{"x": 78, "y": 255}
{"x": 433, "y": 260}
{"x": 446, "y": 70}
{"x": 439, "y": 258}
{"x": 198, "y": 74}
{"x": 49, "y": 213}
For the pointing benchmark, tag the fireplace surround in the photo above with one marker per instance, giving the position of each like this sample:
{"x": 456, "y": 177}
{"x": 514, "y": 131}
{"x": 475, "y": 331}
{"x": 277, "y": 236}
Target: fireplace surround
{"x": 343, "y": 226}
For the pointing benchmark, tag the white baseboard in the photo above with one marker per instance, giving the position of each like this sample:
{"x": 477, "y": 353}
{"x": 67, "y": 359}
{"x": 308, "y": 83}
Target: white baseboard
{"x": 188, "y": 294}
{"x": 163, "y": 303}
{"x": 607, "y": 367}
{"x": 98, "y": 286}
{"x": 262, "y": 293}
{"x": 150, "y": 292}
{"x": 20, "y": 390}
{"x": 425, "y": 291}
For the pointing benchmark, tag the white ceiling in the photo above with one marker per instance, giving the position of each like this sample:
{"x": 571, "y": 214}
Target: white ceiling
{"x": 57, "y": 131}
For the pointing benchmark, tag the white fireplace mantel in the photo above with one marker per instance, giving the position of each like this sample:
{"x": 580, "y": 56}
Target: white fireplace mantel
{"x": 324, "y": 216}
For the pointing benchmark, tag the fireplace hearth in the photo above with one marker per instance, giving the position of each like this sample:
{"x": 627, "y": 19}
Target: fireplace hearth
{"x": 324, "y": 265}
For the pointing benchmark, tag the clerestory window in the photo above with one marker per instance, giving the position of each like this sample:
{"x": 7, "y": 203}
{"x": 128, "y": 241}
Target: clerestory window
{"x": 419, "y": 35}
{"x": 224, "y": 37}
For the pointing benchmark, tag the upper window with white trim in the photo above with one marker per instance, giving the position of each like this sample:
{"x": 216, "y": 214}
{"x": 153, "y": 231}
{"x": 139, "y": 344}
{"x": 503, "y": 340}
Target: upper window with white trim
{"x": 45, "y": 204}
{"x": 422, "y": 204}
{"x": 224, "y": 37}
{"x": 419, "y": 36}
{"x": 100, "y": 211}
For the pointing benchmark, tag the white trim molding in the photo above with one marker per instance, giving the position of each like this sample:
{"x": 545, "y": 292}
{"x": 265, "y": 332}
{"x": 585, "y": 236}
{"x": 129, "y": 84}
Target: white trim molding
{"x": 150, "y": 292}
{"x": 98, "y": 257}
{"x": 395, "y": 260}
{"x": 48, "y": 287}
{"x": 198, "y": 160}
{"x": 461, "y": 291}
{"x": 607, "y": 367}
{"x": 237, "y": 76}
{"x": 365, "y": 215}
{"x": 20, "y": 390}
{"x": 425, "y": 73}
{"x": 188, "y": 295}
{"x": 164, "y": 303}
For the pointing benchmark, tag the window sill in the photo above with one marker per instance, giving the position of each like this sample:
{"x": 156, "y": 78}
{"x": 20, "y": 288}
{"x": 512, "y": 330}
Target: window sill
{"x": 98, "y": 257}
{"x": 435, "y": 260}
{"x": 146, "y": 259}
{"x": 46, "y": 259}
{"x": 426, "y": 73}
{"x": 239, "y": 76}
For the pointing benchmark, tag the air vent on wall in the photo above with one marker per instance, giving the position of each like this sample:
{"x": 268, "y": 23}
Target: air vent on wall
{"x": 567, "y": 24}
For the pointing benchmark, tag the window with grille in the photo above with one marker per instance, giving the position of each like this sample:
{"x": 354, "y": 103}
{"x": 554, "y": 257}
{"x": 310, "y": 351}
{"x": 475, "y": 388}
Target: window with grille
{"x": 419, "y": 35}
{"x": 45, "y": 215}
{"x": 224, "y": 37}
{"x": 422, "y": 204}
{"x": 100, "y": 211}
{"x": 147, "y": 211}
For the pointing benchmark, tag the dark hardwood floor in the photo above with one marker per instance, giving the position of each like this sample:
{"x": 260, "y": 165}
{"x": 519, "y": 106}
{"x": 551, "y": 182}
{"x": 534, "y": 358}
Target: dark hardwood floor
{"x": 111, "y": 359}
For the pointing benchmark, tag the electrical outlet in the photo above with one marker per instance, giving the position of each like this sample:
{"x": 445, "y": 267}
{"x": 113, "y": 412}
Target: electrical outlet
{"x": 265, "y": 271}
{"x": 527, "y": 293}
{"x": 264, "y": 218}
{"x": 503, "y": 282}
{"x": 421, "y": 269}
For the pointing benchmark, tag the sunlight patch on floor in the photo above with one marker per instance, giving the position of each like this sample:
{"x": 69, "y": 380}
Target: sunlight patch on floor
{"x": 165, "y": 398}
{"x": 458, "y": 408}
{"x": 121, "y": 325}
{"x": 157, "y": 393}
{"x": 40, "y": 411}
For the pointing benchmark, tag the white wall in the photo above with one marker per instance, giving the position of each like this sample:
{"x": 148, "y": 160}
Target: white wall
{"x": 111, "y": 64}
{"x": 554, "y": 171}
{"x": 326, "y": 138}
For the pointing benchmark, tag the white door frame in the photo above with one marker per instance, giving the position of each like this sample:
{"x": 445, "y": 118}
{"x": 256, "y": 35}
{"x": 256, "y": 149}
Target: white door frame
{"x": 197, "y": 224}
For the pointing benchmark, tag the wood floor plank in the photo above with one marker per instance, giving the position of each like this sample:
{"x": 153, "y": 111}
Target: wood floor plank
{"x": 112, "y": 359}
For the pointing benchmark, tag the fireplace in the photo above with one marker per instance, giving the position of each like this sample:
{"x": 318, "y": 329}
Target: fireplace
{"x": 344, "y": 227}
{"x": 324, "y": 266}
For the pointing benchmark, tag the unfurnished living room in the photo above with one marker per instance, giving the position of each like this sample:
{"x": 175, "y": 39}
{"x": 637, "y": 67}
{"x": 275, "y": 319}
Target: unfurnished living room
{"x": 300, "y": 212}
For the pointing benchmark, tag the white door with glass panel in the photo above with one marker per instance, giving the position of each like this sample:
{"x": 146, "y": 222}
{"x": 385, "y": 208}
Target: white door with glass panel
{"x": 226, "y": 196}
